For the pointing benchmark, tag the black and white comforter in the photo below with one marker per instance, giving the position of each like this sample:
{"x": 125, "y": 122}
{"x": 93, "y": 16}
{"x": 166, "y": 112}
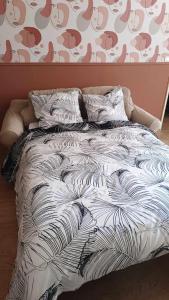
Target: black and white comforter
{"x": 91, "y": 199}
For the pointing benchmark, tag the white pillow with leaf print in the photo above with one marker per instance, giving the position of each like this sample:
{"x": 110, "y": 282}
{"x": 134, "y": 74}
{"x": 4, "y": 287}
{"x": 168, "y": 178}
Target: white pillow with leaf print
{"x": 57, "y": 108}
{"x": 109, "y": 107}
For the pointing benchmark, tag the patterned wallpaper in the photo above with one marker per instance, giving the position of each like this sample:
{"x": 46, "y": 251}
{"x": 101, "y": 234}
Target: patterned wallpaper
{"x": 84, "y": 31}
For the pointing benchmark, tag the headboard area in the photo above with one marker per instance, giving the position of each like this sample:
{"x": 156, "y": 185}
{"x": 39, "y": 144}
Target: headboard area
{"x": 148, "y": 82}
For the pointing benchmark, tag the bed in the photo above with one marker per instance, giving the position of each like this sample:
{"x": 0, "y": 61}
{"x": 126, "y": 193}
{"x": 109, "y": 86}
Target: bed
{"x": 91, "y": 198}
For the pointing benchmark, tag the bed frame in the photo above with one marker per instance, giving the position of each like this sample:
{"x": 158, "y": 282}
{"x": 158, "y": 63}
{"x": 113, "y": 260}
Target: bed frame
{"x": 148, "y": 81}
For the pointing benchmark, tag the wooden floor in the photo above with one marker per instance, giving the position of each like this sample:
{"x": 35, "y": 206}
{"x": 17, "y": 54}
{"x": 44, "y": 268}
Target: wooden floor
{"x": 147, "y": 281}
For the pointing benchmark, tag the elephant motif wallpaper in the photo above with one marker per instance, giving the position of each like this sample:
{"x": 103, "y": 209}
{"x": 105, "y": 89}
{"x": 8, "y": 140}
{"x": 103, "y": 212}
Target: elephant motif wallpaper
{"x": 84, "y": 31}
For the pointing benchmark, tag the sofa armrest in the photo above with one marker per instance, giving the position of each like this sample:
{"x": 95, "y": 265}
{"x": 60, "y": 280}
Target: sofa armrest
{"x": 12, "y": 126}
{"x": 139, "y": 115}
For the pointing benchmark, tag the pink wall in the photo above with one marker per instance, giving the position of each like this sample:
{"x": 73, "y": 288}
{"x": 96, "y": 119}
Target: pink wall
{"x": 147, "y": 82}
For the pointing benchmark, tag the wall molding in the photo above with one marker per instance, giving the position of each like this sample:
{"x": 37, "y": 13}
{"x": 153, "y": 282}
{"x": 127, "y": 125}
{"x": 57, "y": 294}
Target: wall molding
{"x": 86, "y": 64}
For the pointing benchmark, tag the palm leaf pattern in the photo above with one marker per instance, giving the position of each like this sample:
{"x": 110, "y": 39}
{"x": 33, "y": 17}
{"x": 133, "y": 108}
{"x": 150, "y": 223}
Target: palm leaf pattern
{"x": 102, "y": 108}
{"x": 116, "y": 248}
{"x": 58, "y": 107}
{"x": 91, "y": 199}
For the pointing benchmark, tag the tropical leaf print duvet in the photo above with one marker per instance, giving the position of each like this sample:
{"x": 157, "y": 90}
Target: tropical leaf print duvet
{"x": 91, "y": 199}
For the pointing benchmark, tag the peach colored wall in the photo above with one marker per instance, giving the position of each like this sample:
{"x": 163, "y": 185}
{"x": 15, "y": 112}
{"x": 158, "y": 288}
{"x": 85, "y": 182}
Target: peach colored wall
{"x": 148, "y": 82}
{"x": 84, "y": 31}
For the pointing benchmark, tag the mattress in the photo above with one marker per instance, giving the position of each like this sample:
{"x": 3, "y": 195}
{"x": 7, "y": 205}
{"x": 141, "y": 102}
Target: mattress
{"x": 91, "y": 199}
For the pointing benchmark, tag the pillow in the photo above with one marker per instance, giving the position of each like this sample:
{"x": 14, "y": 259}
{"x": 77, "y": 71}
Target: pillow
{"x": 105, "y": 108}
{"x": 28, "y": 113}
{"x": 57, "y": 108}
{"x": 102, "y": 90}
{"x": 53, "y": 91}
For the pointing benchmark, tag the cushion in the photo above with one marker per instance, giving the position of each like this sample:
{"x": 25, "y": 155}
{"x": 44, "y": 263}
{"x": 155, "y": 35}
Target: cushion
{"x": 102, "y": 90}
{"x": 28, "y": 113}
{"x": 103, "y": 108}
{"x": 52, "y": 91}
{"x": 58, "y": 107}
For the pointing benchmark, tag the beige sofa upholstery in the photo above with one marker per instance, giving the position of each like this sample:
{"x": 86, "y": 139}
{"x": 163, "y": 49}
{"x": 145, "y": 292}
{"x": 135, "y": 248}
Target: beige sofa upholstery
{"x": 140, "y": 116}
{"x": 12, "y": 126}
{"x": 19, "y": 114}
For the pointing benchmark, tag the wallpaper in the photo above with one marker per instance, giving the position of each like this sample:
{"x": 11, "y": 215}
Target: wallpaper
{"x": 84, "y": 31}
